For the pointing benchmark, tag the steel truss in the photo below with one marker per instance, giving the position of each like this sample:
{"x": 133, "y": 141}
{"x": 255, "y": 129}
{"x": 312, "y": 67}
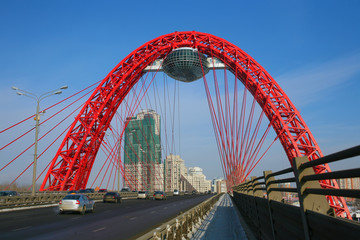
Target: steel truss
{"x": 72, "y": 164}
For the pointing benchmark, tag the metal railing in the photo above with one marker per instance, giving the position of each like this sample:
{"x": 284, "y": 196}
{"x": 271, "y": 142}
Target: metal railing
{"x": 182, "y": 226}
{"x": 46, "y": 198}
{"x": 260, "y": 202}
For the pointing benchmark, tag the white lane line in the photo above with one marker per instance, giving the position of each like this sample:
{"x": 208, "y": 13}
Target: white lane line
{"x": 99, "y": 229}
{"x": 152, "y": 212}
{"x": 133, "y": 218}
{"x": 19, "y": 229}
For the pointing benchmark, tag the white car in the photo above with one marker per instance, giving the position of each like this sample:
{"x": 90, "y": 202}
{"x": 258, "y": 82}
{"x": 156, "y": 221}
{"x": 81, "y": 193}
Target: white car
{"x": 143, "y": 195}
{"x": 76, "y": 203}
{"x": 176, "y": 192}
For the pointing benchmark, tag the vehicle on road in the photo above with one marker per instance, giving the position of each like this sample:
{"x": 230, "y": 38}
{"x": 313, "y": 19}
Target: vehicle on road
{"x": 76, "y": 203}
{"x": 84, "y": 191}
{"x": 125, "y": 189}
{"x": 72, "y": 192}
{"x": 176, "y": 192}
{"x": 102, "y": 190}
{"x": 143, "y": 195}
{"x": 112, "y": 197}
{"x": 8, "y": 193}
{"x": 159, "y": 195}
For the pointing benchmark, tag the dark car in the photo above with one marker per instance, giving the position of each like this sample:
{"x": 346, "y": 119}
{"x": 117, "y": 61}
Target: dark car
{"x": 8, "y": 193}
{"x": 90, "y": 190}
{"x": 72, "y": 192}
{"x": 84, "y": 191}
{"x": 159, "y": 195}
{"x": 102, "y": 190}
{"x": 125, "y": 189}
{"x": 112, "y": 197}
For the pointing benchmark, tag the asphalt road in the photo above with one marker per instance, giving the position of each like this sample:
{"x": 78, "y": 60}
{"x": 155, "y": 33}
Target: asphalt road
{"x": 127, "y": 220}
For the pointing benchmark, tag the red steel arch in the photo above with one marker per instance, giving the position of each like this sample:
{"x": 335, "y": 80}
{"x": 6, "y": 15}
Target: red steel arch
{"x": 71, "y": 167}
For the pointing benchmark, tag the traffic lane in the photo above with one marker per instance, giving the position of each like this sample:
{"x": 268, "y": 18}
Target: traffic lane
{"x": 125, "y": 223}
{"x": 26, "y": 218}
{"x": 117, "y": 221}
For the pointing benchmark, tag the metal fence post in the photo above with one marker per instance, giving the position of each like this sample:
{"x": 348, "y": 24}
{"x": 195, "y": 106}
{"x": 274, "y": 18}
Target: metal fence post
{"x": 256, "y": 193}
{"x": 271, "y": 196}
{"x": 316, "y": 203}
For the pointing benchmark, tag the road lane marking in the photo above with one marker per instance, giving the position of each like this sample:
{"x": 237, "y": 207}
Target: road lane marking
{"x": 152, "y": 212}
{"x": 132, "y": 218}
{"x": 99, "y": 229}
{"x": 19, "y": 229}
{"x": 74, "y": 218}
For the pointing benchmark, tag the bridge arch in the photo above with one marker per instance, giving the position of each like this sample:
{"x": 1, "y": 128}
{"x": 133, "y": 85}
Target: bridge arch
{"x": 72, "y": 164}
{"x": 71, "y": 167}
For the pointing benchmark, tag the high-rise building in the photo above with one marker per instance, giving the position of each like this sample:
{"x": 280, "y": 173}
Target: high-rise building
{"x": 214, "y": 183}
{"x": 349, "y": 183}
{"x": 142, "y": 152}
{"x": 198, "y": 180}
{"x": 221, "y": 186}
{"x": 175, "y": 172}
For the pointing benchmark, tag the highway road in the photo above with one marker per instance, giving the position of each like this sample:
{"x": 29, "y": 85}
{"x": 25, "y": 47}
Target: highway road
{"x": 127, "y": 220}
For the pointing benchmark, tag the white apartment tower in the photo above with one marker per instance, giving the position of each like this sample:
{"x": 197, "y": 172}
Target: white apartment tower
{"x": 174, "y": 169}
{"x": 198, "y": 180}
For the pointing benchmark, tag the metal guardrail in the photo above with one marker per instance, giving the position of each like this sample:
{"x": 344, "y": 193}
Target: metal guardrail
{"x": 183, "y": 225}
{"x": 25, "y": 199}
{"x": 260, "y": 202}
{"x": 44, "y": 198}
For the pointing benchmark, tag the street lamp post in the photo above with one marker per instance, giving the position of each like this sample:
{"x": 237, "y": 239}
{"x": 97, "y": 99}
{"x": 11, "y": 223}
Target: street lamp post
{"x": 37, "y": 121}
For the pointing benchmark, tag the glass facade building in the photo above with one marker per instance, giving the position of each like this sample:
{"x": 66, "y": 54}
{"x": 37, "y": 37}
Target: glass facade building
{"x": 142, "y": 152}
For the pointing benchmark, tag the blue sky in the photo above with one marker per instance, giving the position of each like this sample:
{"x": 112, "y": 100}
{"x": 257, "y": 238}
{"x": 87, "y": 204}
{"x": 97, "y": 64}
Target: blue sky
{"x": 311, "y": 48}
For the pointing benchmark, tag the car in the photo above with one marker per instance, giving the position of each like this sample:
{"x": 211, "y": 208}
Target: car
{"x": 125, "y": 189}
{"x": 72, "y": 192}
{"x": 176, "y": 192}
{"x": 102, "y": 190}
{"x": 112, "y": 197}
{"x": 80, "y": 203}
{"x": 90, "y": 190}
{"x": 84, "y": 191}
{"x": 8, "y": 193}
{"x": 143, "y": 195}
{"x": 159, "y": 195}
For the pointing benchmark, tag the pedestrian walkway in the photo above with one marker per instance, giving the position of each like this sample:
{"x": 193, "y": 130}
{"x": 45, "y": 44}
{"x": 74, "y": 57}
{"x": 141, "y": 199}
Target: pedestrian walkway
{"x": 221, "y": 223}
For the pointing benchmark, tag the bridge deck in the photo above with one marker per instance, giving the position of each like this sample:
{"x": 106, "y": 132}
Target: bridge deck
{"x": 223, "y": 222}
